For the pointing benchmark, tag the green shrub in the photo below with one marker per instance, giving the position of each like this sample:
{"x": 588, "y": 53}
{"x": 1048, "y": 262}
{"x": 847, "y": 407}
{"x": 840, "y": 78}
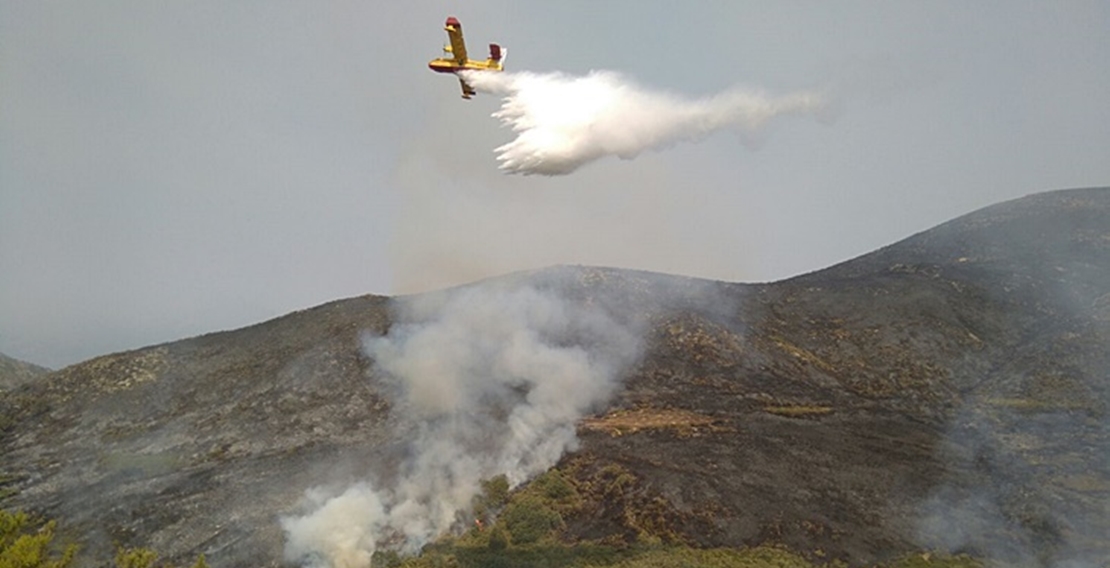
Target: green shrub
{"x": 24, "y": 545}
{"x": 498, "y": 540}
{"x": 385, "y": 559}
{"x": 135, "y": 558}
{"x": 27, "y": 543}
{"x": 554, "y": 486}
{"x": 493, "y": 496}
{"x": 529, "y": 519}
{"x": 496, "y": 491}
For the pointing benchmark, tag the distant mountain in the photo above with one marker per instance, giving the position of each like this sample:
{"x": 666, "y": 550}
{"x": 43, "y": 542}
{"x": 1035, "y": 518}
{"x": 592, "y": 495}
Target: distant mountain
{"x": 948, "y": 392}
{"x": 14, "y": 372}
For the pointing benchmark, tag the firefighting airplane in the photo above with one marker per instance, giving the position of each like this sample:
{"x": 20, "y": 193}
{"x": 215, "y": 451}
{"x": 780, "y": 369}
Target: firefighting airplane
{"x": 456, "y": 57}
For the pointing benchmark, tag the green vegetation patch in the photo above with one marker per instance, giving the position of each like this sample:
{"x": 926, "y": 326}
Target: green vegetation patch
{"x": 527, "y": 528}
{"x": 684, "y": 557}
{"x": 28, "y": 542}
{"x": 593, "y": 555}
{"x": 528, "y": 520}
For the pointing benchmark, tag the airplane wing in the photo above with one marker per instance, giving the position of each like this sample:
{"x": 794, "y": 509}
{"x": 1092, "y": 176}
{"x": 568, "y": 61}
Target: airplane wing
{"x": 467, "y": 90}
{"x": 458, "y": 46}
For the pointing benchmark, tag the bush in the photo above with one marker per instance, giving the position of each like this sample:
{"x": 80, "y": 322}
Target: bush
{"x": 496, "y": 491}
{"x": 146, "y": 558}
{"x": 23, "y": 545}
{"x": 135, "y": 558}
{"x": 554, "y": 486}
{"x": 498, "y": 540}
{"x": 492, "y": 497}
{"x": 529, "y": 519}
{"x": 28, "y": 543}
{"x": 385, "y": 559}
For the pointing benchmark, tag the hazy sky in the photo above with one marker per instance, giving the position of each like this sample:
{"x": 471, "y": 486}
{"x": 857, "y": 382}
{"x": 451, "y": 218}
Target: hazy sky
{"x": 174, "y": 168}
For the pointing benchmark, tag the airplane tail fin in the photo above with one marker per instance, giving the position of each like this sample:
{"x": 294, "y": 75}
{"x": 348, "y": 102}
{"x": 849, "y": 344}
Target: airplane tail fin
{"x": 497, "y": 54}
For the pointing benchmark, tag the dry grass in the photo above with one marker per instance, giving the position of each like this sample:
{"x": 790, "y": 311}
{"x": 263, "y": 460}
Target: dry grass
{"x": 798, "y": 410}
{"x": 623, "y": 422}
{"x": 803, "y": 355}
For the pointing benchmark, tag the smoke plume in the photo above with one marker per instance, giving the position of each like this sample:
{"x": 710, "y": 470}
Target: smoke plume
{"x": 483, "y": 380}
{"x": 564, "y": 122}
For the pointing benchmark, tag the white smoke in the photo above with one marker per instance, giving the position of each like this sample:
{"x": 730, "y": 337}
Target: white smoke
{"x": 340, "y": 532}
{"x": 564, "y": 122}
{"x": 488, "y": 380}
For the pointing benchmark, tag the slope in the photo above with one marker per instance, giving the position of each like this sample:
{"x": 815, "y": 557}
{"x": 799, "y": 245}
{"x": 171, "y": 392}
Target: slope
{"x": 948, "y": 391}
{"x": 14, "y": 372}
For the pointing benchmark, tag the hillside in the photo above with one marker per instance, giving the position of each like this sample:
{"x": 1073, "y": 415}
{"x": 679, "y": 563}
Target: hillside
{"x": 14, "y": 372}
{"x": 947, "y": 392}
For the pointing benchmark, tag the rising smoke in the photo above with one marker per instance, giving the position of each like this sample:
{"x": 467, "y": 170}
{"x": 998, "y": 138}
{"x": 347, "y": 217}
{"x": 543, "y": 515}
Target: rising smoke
{"x": 564, "y": 122}
{"x": 489, "y": 379}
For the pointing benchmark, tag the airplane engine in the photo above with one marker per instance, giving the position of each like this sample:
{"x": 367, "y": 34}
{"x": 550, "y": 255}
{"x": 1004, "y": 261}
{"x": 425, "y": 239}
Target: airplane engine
{"x": 495, "y": 52}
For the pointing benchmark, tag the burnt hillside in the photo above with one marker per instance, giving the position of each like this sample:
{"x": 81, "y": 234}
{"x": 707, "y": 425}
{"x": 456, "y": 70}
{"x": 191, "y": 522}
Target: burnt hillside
{"x": 14, "y": 372}
{"x": 949, "y": 391}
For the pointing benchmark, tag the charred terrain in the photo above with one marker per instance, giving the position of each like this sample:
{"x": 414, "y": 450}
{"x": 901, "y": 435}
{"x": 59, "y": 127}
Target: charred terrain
{"x": 14, "y": 372}
{"x": 948, "y": 392}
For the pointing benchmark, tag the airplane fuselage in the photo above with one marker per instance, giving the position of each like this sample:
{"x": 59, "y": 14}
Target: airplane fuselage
{"x": 445, "y": 65}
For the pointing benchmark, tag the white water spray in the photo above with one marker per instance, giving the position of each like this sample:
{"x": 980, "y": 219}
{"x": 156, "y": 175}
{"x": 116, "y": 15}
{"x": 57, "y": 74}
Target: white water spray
{"x": 564, "y": 122}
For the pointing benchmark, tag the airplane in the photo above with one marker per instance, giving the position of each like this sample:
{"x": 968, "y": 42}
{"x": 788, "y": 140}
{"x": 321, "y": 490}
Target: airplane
{"x": 456, "y": 59}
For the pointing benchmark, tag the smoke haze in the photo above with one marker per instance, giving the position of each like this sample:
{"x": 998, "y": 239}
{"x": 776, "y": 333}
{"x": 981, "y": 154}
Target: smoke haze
{"x": 484, "y": 380}
{"x": 564, "y": 122}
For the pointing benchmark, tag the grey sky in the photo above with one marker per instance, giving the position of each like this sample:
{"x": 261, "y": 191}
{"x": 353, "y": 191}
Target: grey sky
{"x": 169, "y": 169}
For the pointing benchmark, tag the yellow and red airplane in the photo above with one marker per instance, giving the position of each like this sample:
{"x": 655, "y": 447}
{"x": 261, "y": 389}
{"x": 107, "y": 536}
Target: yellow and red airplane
{"x": 457, "y": 60}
